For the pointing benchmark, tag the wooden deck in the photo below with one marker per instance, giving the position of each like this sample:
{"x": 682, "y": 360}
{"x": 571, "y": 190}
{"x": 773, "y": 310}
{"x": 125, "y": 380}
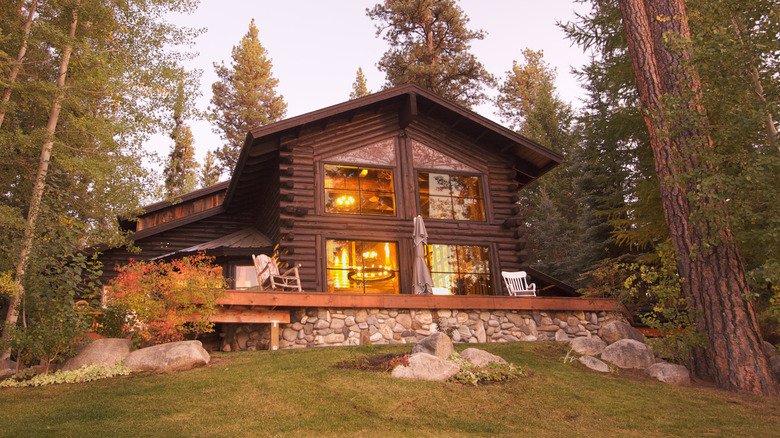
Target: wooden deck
{"x": 266, "y": 307}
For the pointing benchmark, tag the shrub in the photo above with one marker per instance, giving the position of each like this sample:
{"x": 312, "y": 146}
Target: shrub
{"x": 169, "y": 299}
{"x": 56, "y": 312}
{"x": 492, "y": 372}
{"x": 87, "y": 373}
{"x": 671, "y": 315}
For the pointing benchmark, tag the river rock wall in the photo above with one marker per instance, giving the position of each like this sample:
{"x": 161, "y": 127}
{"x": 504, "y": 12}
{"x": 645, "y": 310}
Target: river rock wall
{"x": 315, "y": 327}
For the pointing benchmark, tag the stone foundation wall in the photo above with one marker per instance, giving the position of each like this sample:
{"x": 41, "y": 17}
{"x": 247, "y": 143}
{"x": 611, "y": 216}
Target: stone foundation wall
{"x": 314, "y": 327}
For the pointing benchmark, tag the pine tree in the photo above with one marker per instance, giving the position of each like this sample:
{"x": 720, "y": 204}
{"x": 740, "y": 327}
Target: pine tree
{"x": 429, "y": 46}
{"x": 529, "y": 103}
{"x": 518, "y": 91}
{"x": 210, "y": 172}
{"x": 732, "y": 47}
{"x": 359, "y": 87}
{"x": 179, "y": 171}
{"x": 244, "y": 98}
{"x": 714, "y": 278}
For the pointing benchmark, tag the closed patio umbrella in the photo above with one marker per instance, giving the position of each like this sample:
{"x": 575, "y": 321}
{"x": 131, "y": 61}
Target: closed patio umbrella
{"x": 422, "y": 276}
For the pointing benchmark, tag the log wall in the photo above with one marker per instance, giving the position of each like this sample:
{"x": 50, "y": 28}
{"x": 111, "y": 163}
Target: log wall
{"x": 304, "y": 226}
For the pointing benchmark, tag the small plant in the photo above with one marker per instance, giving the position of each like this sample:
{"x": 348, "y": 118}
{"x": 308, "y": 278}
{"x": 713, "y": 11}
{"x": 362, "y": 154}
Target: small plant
{"x": 570, "y": 357}
{"x": 86, "y": 373}
{"x": 490, "y": 373}
{"x": 25, "y": 374}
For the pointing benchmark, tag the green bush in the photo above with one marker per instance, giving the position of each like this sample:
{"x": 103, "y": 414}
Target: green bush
{"x": 86, "y": 373}
{"x": 490, "y": 373}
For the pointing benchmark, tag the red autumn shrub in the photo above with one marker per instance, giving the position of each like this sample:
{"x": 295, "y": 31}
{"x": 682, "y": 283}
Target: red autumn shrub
{"x": 169, "y": 300}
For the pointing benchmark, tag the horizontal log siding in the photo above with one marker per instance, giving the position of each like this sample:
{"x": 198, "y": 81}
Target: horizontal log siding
{"x": 174, "y": 240}
{"x": 314, "y": 145}
{"x": 265, "y": 214}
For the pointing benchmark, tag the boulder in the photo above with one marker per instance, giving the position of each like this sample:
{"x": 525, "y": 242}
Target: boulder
{"x": 437, "y": 344}
{"x": 7, "y": 364}
{"x": 628, "y": 353}
{"x": 617, "y": 330}
{"x": 561, "y": 336}
{"x": 106, "y": 351}
{"x": 670, "y": 373}
{"x": 594, "y": 364}
{"x": 774, "y": 363}
{"x": 164, "y": 358}
{"x": 480, "y": 358}
{"x": 425, "y": 366}
{"x": 588, "y": 346}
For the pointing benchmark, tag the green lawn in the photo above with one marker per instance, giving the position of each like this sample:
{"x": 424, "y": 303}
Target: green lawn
{"x": 299, "y": 392}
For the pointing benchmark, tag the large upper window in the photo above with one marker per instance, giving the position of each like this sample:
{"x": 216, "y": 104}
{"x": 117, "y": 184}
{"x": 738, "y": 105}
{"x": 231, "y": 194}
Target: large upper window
{"x": 451, "y": 196}
{"x": 360, "y": 266}
{"x": 359, "y": 190}
{"x": 464, "y": 270}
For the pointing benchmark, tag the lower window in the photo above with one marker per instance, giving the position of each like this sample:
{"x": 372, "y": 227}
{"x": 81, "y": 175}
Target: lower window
{"x": 361, "y": 266}
{"x": 244, "y": 277}
{"x": 463, "y": 270}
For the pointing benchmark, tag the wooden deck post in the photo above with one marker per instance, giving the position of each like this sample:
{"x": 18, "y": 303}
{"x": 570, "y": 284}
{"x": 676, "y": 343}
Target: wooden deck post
{"x": 274, "y": 335}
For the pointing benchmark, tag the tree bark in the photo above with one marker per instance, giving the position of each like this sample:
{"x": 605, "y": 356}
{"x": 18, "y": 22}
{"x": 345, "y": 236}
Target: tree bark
{"x": 17, "y": 64}
{"x": 713, "y": 275}
{"x": 39, "y": 185}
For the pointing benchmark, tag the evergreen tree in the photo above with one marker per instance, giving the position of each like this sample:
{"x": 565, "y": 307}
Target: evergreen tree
{"x": 519, "y": 89}
{"x": 244, "y": 98}
{"x": 179, "y": 171}
{"x": 429, "y": 46}
{"x": 359, "y": 87}
{"x": 528, "y": 102}
{"x": 714, "y": 278}
{"x": 616, "y": 145}
{"x": 210, "y": 172}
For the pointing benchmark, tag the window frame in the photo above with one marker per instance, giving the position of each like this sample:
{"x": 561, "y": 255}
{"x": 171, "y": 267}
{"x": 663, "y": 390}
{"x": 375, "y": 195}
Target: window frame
{"x": 479, "y": 175}
{"x": 230, "y": 268}
{"x": 324, "y": 196}
{"x": 397, "y": 272}
{"x": 489, "y": 272}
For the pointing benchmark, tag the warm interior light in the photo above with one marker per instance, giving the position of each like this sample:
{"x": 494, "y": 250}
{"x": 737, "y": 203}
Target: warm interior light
{"x": 343, "y": 273}
{"x": 345, "y": 200}
{"x": 364, "y": 172}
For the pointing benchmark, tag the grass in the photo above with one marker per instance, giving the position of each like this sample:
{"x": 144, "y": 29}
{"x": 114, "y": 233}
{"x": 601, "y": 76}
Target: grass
{"x": 300, "y": 392}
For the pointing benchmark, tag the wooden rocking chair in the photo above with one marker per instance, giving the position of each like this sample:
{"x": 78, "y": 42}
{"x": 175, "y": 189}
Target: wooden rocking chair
{"x": 268, "y": 274}
{"x": 517, "y": 284}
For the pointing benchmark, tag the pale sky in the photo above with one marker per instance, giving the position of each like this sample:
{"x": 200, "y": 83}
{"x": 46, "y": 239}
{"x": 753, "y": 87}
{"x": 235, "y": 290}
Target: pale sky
{"x": 316, "y": 47}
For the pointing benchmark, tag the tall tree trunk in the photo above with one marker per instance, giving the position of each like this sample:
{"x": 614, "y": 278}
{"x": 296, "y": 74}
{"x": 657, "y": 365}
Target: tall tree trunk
{"x": 17, "y": 64}
{"x": 712, "y": 271}
{"x": 39, "y": 185}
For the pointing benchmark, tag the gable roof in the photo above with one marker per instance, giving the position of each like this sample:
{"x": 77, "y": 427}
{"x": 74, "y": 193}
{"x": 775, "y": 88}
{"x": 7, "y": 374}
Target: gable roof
{"x": 261, "y": 146}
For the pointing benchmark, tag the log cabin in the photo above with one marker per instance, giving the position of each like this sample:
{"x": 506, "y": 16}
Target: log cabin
{"x": 336, "y": 191}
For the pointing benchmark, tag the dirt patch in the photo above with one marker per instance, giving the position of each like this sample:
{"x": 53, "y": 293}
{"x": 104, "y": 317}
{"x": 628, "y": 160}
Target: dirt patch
{"x": 381, "y": 363}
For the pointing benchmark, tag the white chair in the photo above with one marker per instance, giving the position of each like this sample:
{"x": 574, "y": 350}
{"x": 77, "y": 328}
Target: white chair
{"x": 517, "y": 284}
{"x": 268, "y": 274}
